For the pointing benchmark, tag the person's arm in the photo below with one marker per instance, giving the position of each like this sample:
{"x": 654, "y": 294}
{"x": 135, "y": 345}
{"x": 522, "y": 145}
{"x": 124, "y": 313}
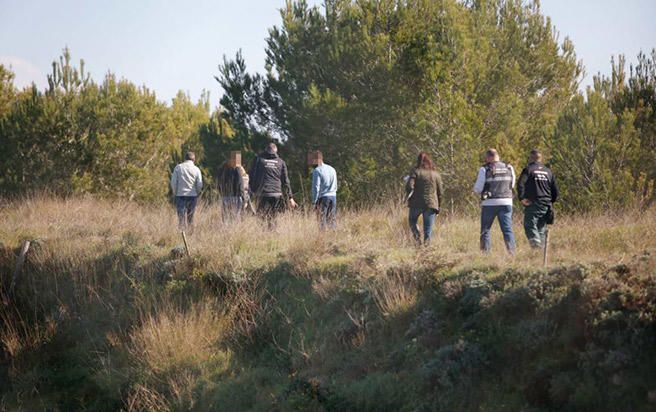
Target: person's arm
{"x": 240, "y": 183}
{"x": 174, "y": 181}
{"x": 480, "y": 181}
{"x": 316, "y": 186}
{"x": 410, "y": 184}
{"x": 521, "y": 184}
{"x": 554, "y": 189}
{"x": 521, "y": 188}
{"x": 286, "y": 187}
{"x": 199, "y": 181}
{"x": 512, "y": 175}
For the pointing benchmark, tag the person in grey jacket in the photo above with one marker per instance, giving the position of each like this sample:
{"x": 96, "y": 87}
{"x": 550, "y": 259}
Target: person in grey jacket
{"x": 186, "y": 184}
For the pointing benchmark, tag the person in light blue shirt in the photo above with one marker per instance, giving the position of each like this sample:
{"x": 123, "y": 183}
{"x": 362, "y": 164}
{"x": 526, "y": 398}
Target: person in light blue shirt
{"x": 324, "y": 191}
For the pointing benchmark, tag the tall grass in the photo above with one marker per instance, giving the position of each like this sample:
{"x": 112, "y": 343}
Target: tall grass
{"x": 102, "y": 271}
{"x": 76, "y": 228}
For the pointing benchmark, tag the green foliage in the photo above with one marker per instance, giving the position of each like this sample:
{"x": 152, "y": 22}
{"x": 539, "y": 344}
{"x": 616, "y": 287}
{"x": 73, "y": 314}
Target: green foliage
{"x": 371, "y": 83}
{"x": 112, "y": 139}
{"x": 605, "y": 141}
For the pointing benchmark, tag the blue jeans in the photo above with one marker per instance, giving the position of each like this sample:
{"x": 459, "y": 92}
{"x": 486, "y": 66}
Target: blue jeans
{"x": 231, "y": 208}
{"x": 504, "y": 213}
{"x": 185, "y": 206}
{"x": 429, "y": 220}
{"x": 327, "y": 209}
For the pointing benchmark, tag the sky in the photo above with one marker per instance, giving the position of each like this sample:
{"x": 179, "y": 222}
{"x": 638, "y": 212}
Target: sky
{"x": 177, "y": 45}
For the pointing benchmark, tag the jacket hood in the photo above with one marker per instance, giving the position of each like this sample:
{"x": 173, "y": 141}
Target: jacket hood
{"x": 267, "y": 155}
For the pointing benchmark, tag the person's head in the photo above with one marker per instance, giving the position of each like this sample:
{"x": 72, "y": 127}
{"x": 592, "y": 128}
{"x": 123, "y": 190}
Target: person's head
{"x": 424, "y": 161}
{"x": 190, "y": 156}
{"x": 535, "y": 156}
{"x": 491, "y": 155}
{"x": 271, "y": 148}
{"x": 235, "y": 159}
{"x": 315, "y": 158}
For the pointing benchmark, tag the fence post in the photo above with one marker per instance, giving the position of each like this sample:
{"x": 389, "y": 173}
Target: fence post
{"x": 186, "y": 245}
{"x": 19, "y": 265}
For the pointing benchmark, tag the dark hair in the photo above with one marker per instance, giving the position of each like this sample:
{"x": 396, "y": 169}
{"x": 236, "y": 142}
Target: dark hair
{"x": 424, "y": 161}
{"x": 535, "y": 156}
{"x": 190, "y": 156}
{"x": 271, "y": 148}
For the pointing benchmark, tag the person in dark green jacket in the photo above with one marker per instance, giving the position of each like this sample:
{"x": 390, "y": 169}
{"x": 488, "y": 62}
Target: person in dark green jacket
{"x": 424, "y": 193}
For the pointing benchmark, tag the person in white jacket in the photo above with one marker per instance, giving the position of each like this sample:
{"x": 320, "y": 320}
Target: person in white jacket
{"x": 495, "y": 183}
{"x": 186, "y": 184}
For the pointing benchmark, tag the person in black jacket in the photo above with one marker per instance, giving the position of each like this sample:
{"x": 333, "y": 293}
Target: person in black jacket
{"x": 269, "y": 183}
{"x": 537, "y": 191}
{"x": 231, "y": 188}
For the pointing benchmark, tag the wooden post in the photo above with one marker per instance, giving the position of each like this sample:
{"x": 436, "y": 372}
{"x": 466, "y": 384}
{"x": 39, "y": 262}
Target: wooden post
{"x": 186, "y": 245}
{"x": 546, "y": 247}
{"x": 19, "y": 265}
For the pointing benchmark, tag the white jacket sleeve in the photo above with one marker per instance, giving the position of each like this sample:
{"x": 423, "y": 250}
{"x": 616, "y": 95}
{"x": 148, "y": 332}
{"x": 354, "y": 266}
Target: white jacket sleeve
{"x": 316, "y": 186}
{"x": 199, "y": 181}
{"x": 480, "y": 181}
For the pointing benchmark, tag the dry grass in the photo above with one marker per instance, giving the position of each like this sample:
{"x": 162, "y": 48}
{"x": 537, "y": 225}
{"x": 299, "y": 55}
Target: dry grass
{"x": 173, "y": 340}
{"x": 173, "y": 343}
{"x": 176, "y": 347}
{"x": 394, "y": 295}
{"x": 74, "y": 228}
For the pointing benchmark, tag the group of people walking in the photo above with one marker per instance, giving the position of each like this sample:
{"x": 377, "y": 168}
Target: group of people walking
{"x": 267, "y": 182}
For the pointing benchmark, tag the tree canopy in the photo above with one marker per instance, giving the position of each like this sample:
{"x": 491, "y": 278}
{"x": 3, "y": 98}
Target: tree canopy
{"x": 370, "y": 83}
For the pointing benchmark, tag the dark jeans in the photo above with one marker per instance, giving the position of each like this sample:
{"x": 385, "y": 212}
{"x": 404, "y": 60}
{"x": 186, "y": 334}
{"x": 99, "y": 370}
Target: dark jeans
{"x": 504, "y": 213}
{"x": 269, "y": 208}
{"x": 185, "y": 206}
{"x": 231, "y": 208}
{"x": 429, "y": 220}
{"x": 327, "y": 209}
{"x": 535, "y": 223}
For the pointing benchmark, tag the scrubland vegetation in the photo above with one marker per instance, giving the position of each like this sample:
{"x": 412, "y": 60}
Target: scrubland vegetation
{"x": 108, "y": 313}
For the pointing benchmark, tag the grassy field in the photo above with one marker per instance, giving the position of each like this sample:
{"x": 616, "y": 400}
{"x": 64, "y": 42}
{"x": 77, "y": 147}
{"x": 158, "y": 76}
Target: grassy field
{"x": 106, "y": 317}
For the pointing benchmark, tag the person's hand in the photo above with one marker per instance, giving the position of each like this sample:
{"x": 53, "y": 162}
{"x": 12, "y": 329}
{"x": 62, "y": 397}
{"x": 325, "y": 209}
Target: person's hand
{"x": 526, "y": 202}
{"x": 293, "y": 204}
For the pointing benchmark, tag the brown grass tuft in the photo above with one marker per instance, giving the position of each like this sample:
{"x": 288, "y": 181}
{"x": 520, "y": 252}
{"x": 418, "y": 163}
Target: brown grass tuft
{"x": 172, "y": 340}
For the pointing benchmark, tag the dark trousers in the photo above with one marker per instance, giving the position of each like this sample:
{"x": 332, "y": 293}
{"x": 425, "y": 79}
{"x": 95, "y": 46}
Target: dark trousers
{"x": 504, "y": 213}
{"x": 535, "y": 223}
{"x": 269, "y": 208}
{"x": 327, "y": 209}
{"x": 185, "y": 206}
{"x": 429, "y": 220}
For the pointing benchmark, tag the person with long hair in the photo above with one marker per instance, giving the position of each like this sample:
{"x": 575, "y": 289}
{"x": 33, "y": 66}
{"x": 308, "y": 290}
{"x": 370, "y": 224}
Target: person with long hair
{"x": 424, "y": 191}
{"x": 231, "y": 187}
